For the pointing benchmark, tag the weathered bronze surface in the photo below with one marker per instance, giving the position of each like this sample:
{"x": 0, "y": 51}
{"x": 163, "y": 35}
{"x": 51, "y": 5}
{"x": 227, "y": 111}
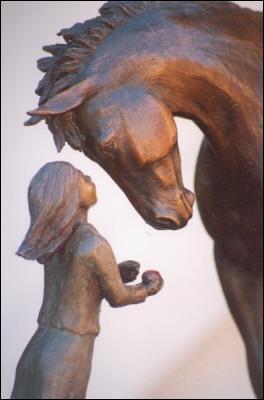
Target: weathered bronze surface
{"x": 80, "y": 270}
{"x": 112, "y": 91}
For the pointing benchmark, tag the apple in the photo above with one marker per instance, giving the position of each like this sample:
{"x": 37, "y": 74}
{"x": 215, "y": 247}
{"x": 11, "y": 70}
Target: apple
{"x": 151, "y": 276}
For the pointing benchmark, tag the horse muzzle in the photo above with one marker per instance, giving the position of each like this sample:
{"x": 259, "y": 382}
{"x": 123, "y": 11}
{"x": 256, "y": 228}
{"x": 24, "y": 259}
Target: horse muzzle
{"x": 173, "y": 218}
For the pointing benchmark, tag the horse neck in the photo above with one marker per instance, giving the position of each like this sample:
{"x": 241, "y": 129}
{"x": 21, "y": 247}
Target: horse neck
{"x": 227, "y": 110}
{"x": 209, "y": 75}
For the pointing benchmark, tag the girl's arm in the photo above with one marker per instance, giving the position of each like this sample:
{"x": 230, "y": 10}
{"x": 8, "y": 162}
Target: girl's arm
{"x": 116, "y": 293}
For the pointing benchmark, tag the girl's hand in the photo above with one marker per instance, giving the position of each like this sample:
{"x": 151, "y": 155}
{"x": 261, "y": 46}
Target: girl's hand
{"x": 129, "y": 270}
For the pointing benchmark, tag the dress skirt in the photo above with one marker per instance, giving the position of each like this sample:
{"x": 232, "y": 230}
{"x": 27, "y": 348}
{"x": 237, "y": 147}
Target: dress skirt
{"x": 56, "y": 364}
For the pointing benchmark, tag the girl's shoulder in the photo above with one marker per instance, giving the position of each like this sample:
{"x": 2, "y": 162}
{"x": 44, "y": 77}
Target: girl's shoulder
{"x": 85, "y": 230}
{"x": 87, "y": 239}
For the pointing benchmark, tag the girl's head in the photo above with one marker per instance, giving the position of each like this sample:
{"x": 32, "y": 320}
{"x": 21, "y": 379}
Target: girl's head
{"x": 56, "y": 195}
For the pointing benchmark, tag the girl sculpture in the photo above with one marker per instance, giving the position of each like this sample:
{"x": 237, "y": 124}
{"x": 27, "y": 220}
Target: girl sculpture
{"x": 80, "y": 270}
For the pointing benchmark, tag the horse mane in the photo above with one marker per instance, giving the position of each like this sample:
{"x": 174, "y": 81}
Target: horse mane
{"x": 67, "y": 58}
{"x": 81, "y": 41}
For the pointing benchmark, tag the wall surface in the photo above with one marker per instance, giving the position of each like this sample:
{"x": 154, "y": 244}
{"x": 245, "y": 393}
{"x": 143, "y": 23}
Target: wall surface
{"x": 181, "y": 343}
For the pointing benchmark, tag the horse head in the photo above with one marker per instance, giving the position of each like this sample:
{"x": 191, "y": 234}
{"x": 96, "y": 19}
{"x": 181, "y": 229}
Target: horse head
{"x": 132, "y": 135}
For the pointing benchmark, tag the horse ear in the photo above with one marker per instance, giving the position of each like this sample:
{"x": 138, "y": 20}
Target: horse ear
{"x": 68, "y": 99}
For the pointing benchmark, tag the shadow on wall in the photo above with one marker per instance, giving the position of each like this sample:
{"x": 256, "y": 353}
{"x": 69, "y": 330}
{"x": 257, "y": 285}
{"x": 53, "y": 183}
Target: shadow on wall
{"x": 215, "y": 370}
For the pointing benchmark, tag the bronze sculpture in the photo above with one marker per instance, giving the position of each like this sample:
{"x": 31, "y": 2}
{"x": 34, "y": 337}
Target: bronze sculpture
{"x": 112, "y": 90}
{"x": 80, "y": 270}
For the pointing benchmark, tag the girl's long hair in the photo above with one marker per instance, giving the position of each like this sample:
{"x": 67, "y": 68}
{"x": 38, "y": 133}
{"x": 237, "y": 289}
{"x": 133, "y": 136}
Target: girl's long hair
{"x": 53, "y": 198}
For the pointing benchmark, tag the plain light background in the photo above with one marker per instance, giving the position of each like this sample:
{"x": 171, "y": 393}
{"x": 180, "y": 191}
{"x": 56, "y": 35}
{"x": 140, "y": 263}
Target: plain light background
{"x": 181, "y": 343}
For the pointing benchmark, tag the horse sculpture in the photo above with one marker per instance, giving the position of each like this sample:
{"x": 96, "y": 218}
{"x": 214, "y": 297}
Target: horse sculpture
{"x": 112, "y": 91}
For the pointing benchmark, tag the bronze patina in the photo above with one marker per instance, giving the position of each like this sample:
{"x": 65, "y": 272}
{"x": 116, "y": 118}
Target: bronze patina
{"x": 80, "y": 271}
{"x": 112, "y": 91}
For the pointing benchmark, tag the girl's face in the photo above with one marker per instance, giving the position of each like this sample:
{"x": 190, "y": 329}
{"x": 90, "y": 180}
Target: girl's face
{"x": 87, "y": 191}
